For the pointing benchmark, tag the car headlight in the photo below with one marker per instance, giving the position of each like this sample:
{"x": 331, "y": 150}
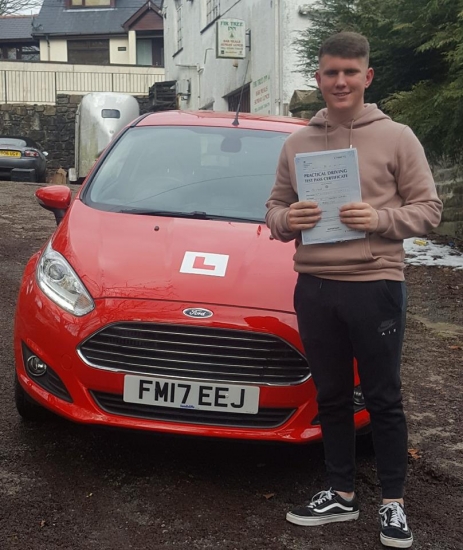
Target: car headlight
{"x": 60, "y": 283}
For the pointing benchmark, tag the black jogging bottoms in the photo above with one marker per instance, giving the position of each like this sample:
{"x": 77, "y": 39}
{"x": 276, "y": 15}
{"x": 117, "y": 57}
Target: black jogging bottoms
{"x": 340, "y": 320}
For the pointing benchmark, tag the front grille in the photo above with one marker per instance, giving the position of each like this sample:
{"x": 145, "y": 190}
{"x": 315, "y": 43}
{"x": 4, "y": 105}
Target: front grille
{"x": 196, "y": 352}
{"x": 265, "y": 418}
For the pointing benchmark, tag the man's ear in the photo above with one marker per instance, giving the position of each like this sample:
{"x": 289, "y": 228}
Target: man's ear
{"x": 317, "y": 78}
{"x": 369, "y": 77}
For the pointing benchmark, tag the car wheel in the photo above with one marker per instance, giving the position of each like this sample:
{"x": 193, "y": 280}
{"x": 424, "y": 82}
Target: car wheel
{"x": 27, "y": 408}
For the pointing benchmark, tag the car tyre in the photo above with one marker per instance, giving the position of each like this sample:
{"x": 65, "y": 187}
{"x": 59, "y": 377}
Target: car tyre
{"x": 27, "y": 408}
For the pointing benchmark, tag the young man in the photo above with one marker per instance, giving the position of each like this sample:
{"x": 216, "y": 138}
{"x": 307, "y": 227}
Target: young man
{"x": 350, "y": 298}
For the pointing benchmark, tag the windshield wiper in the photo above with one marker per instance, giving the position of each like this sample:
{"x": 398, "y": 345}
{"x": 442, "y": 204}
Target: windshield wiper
{"x": 234, "y": 219}
{"x": 166, "y": 213}
{"x": 196, "y": 214}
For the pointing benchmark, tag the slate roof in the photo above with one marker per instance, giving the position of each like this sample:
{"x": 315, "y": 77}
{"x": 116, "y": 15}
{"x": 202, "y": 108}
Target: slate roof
{"x": 16, "y": 27}
{"x": 54, "y": 19}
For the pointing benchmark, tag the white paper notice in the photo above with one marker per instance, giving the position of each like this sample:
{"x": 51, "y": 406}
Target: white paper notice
{"x": 331, "y": 179}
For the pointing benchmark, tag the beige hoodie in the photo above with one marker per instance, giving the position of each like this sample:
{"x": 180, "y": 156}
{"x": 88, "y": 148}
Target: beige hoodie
{"x": 395, "y": 180}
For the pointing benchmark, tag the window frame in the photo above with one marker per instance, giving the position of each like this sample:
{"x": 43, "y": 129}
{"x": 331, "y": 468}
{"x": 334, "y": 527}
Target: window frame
{"x": 212, "y": 11}
{"x": 20, "y": 51}
{"x": 178, "y": 26}
{"x": 91, "y": 61}
{"x": 71, "y": 6}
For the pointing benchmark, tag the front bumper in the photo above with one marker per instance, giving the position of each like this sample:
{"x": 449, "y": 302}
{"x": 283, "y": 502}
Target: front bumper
{"x": 286, "y": 412}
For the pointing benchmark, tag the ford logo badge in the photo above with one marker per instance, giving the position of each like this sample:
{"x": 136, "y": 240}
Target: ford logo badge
{"x": 197, "y": 313}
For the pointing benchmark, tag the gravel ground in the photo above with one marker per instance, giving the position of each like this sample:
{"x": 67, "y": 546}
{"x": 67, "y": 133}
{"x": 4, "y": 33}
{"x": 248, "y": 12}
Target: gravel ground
{"x": 65, "y": 486}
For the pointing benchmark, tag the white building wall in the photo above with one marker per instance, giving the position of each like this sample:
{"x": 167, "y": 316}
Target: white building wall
{"x": 115, "y": 55}
{"x": 56, "y": 50}
{"x": 293, "y": 23}
{"x": 53, "y": 50}
{"x": 273, "y": 25}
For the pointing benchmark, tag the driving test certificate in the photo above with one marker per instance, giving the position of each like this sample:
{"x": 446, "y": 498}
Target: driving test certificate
{"x": 331, "y": 179}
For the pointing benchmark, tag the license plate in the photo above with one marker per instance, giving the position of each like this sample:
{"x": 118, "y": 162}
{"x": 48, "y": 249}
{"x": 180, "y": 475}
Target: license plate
{"x": 10, "y": 154}
{"x": 179, "y": 394}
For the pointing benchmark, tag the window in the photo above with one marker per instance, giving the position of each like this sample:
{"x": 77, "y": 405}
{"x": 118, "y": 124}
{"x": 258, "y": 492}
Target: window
{"x": 150, "y": 51}
{"x": 88, "y": 52}
{"x": 179, "y": 26}
{"x": 234, "y": 100}
{"x": 223, "y": 172}
{"x": 13, "y": 142}
{"x": 144, "y": 52}
{"x": 158, "y": 52}
{"x": 29, "y": 53}
{"x": 90, "y": 3}
{"x": 20, "y": 53}
{"x": 212, "y": 10}
{"x": 110, "y": 113}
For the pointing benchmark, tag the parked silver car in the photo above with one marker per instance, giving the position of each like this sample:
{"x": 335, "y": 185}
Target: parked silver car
{"x": 21, "y": 159}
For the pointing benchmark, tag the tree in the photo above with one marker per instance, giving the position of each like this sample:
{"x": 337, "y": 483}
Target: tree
{"x": 10, "y": 7}
{"x": 417, "y": 54}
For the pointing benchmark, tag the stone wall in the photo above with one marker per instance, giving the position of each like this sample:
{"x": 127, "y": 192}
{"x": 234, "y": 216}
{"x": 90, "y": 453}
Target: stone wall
{"x": 51, "y": 126}
{"x": 450, "y": 189}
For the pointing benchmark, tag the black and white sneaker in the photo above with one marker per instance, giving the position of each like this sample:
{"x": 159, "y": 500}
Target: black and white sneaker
{"x": 394, "y": 529}
{"x": 325, "y": 507}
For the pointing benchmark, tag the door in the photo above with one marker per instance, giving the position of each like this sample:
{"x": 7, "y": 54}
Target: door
{"x": 144, "y": 52}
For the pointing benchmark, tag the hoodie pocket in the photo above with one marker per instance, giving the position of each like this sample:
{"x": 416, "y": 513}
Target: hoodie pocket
{"x": 337, "y": 256}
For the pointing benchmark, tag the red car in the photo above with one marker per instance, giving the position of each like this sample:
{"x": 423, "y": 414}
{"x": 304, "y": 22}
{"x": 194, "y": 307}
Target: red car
{"x": 162, "y": 302}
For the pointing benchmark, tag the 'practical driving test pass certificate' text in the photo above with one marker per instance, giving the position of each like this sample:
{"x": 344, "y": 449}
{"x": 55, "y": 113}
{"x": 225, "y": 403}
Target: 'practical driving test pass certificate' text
{"x": 331, "y": 179}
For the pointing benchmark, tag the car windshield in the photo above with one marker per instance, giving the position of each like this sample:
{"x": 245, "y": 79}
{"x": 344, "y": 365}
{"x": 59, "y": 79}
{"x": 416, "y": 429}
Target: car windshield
{"x": 203, "y": 172}
{"x": 7, "y": 142}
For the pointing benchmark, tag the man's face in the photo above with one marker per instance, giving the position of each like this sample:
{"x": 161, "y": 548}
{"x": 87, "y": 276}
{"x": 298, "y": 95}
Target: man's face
{"x": 342, "y": 83}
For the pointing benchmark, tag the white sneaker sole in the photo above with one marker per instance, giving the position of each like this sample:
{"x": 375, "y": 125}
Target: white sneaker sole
{"x": 396, "y": 543}
{"x": 314, "y": 521}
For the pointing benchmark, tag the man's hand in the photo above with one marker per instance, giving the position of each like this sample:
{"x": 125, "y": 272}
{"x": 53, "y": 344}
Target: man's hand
{"x": 360, "y": 216}
{"x": 303, "y": 215}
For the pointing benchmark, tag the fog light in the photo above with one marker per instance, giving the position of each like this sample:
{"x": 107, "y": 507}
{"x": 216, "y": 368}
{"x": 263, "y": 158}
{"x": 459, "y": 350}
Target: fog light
{"x": 359, "y": 400}
{"x": 35, "y": 366}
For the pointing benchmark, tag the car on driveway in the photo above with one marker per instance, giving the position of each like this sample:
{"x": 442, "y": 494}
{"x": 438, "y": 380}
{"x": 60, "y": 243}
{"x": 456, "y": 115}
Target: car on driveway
{"x": 21, "y": 159}
{"x": 162, "y": 302}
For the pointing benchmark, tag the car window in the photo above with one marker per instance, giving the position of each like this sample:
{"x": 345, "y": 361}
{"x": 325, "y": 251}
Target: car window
{"x": 4, "y": 141}
{"x": 225, "y": 172}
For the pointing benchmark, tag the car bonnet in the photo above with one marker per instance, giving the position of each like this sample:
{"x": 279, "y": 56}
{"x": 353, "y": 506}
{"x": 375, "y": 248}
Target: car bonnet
{"x": 197, "y": 261}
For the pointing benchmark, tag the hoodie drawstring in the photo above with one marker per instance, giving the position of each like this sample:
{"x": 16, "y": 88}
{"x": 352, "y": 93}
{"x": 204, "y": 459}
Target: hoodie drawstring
{"x": 351, "y": 130}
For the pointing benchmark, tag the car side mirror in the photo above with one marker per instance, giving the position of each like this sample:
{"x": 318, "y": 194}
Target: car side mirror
{"x": 44, "y": 153}
{"x": 56, "y": 198}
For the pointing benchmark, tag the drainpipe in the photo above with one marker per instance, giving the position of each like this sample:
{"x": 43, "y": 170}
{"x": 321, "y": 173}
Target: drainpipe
{"x": 277, "y": 49}
{"x": 199, "y": 71}
{"x": 47, "y": 38}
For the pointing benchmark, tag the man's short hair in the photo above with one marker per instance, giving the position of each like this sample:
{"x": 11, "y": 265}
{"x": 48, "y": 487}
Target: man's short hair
{"x": 348, "y": 45}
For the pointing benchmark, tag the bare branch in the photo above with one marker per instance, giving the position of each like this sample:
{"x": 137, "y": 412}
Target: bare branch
{"x": 12, "y": 7}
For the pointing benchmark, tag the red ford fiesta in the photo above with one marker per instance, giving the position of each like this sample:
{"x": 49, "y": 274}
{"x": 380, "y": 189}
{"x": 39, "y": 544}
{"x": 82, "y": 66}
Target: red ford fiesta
{"x": 161, "y": 302}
